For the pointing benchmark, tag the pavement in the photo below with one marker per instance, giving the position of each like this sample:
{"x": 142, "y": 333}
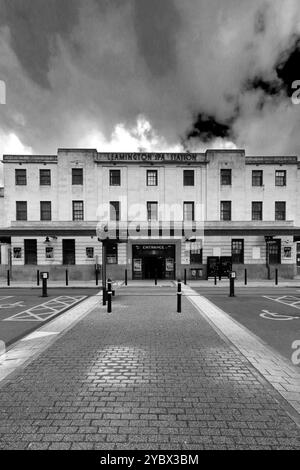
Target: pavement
{"x": 146, "y": 377}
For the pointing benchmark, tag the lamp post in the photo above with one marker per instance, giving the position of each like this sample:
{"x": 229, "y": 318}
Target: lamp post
{"x": 268, "y": 238}
{"x": 104, "y": 250}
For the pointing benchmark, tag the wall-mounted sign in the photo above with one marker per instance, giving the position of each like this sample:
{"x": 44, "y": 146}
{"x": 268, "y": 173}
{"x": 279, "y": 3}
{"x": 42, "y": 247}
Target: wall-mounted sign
{"x": 169, "y": 264}
{"x": 287, "y": 251}
{"x": 17, "y": 252}
{"x": 137, "y": 265}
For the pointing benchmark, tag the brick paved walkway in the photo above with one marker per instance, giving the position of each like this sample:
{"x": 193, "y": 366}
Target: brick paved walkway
{"x": 143, "y": 377}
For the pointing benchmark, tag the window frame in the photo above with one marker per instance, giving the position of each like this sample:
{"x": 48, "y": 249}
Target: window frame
{"x": 253, "y": 212}
{"x": 42, "y": 214}
{"x": 148, "y": 177}
{"x": 76, "y": 211}
{"x": 259, "y": 178}
{"x": 44, "y": 178}
{"x": 185, "y": 204}
{"x": 277, "y": 211}
{"x": 188, "y": 177}
{"x": 149, "y": 212}
{"x": 18, "y": 211}
{"x": 238, "y": 256}
{"x": 280, "y": 180}
{"x": 112, "y": 252}
{"x": 223, "y": 176}
{"x": 20, "y": 177}
{"x": 117, "y": 207}
{"x": 112, "y": 177}
{"x": 222, "y": 211}
{"x": 77, "y": 179}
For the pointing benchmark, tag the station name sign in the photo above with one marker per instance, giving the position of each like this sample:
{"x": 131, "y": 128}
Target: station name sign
{"x": 150, "y": 157}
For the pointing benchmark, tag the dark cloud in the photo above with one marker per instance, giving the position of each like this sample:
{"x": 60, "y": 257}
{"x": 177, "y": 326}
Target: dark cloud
{"x": 288, "y": 67}
{"x": 206, "y": 129}
{"x": 270, "y": 88}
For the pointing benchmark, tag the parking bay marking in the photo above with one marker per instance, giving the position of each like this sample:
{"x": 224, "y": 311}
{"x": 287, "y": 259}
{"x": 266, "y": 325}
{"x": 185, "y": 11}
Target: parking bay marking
{"x": 276, "y": 316}
{"x": 289, "y": 300}
{"x": 46, "y": 310}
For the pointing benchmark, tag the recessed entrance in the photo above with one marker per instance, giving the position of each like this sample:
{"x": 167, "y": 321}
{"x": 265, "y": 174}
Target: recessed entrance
{"x": 153, "y": 260}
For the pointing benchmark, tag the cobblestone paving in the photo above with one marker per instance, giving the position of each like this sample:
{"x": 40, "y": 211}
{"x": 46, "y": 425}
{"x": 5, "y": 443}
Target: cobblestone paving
{"x": 143, "y": 377}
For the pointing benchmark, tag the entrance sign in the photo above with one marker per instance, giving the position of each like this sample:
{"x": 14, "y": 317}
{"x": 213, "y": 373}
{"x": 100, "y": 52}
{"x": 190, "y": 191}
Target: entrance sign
{"x": 169, "y": 264}
{"x": 137, "y": 265}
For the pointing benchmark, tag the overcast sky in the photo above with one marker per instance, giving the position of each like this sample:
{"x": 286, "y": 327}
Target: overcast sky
{"x": 149, "y": 75}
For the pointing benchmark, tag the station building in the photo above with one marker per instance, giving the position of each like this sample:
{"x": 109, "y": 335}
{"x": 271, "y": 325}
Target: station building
{"x": 158, "y": 214}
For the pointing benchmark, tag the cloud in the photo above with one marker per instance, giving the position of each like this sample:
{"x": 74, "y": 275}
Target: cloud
{"x": 198, "y": 73}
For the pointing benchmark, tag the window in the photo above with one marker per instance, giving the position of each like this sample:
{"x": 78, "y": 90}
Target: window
{"x": 45, "y": 209}
{"x": 257, "y": 178}
{"x": 280, "y": 178}
{"x": 225, "y": 177}
{"x": 237, "y": 251}
{"x": 196, "y": 253}
{"x": 280, "y": 210}
{"x": 112, "y": 253}
{"x": 21, "y": 210}
{"x": 152, "y": 210}
{"x": 45, "y": 177}
{"x": 151, "y": 177}
{"x": 257, "y": 207}
{"x": 274, "y": 249}
{"x": 114, "y": 207}
{"x": 225, "y": 210}
{"x": 115, "y": 177}
{"x": 188, "y": 211}
{"x": 17, "y": 252}
{"x": 78, "y": 210}
{"x": 49, "y": 252}
{"x": 20, "y": 177}
{"x": 89, "y": 251}
{"x": 188, "y": 177}
{"x": 77, "y": 176}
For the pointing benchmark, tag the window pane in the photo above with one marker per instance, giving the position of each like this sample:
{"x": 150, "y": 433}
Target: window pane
{"x": 257, "y": 210}
{"x": 237, "y": 251}
{"x": 45, "y": 210}
{"x": 112, "y": 253}
{"x": 77, "y": 210}
{"x": 225, "y": 210}
{"x": 114, "y": 177}
{"x": 77, "y": 176}
{"x": 114, "y": 210}
{"x": 188, "y": 177}
{"x": 280, "y": 210}
{"x": 188, "y": 211}
{"x": 21, "y": 210}
{"x": 151, "y": 177}
{"x": 20, "y": 177}
{"x": 257, "y": 178}
{"x": 45, "y": 177}
{"x": 280, "y": 178}
{"x": 225, "y": 177}
{"x": 152, "y": 210}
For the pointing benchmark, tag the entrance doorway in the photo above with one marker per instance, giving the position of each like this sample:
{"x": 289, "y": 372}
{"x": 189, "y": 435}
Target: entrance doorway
{"x": 153, "y": 260}
{"x": 219, "y": 266}
{"x": 30, "y": 249}
{"x": 154, "y": 267}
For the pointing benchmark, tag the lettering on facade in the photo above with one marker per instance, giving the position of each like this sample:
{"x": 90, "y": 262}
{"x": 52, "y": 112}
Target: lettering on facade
{"x": 150, "y": 157}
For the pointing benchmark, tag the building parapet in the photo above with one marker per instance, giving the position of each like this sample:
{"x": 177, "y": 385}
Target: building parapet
{"x": 145, "y": 157}
{"x": 30, "y": 159}
{"x": 269, "y": 160}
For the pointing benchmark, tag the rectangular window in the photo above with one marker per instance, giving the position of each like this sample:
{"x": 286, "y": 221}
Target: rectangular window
{"x": 237, "y": 251}
{"x": 30, "y": 251}
{"x": 78, "y": 210}
{"x": 280, "y": 210}
{"x": 225, "y": 210}
{"x": 274, "y": 249}
{"x": 188, "y": 177}
{"x": 89, "y": 251}
{"x": 45, "y": 210}
{"x": 17, "y": 252}
{"x": 225, "y": 177}
{"x": 112, "y": 253}
{"x": 152, "y": 210}
{"x": 257, "y": 210}
{"x": 114, "y": 207}
{"x": 196, "y": 253}
{"x": 77, "y": 176}
{"x": 115, "y": 177}
{"x": 257, "y": 178}
{"x": 280, "y": 178}
{"x": 151, "y": 177}
{"x": 68, "y": 249}
{"x": 188, "y": 211}
{"x": 45, "y": 177}
{"x": 49, "y": 252}
{"x": 20, "y": 177}
{"x": 21, "y": 210}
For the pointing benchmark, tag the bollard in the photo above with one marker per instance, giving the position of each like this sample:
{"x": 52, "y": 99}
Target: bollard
{"x": 109, "y": 295}
{"x": 38, "y": 278}
{"x": 125, "y": 277}
{"x": 245, "y": 277}
{"x": 215, "y": 279}
{"x": 231, "y": 287}
{"x": 96, "y": 277}
{"x": 155, "y": 278}
{"x": 44, "y": 294}
{"x": 8, "y": 277}
{"x": 179, "y": 293}
{"x": 67, "y": 277}
{"x": 103, "y": 295}
{"x": 276, "y": 277}
{"x": 185, "y": 277}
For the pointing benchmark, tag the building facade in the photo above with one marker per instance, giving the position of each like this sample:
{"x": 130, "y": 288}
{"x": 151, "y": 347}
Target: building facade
{"x": 157, "y": 213}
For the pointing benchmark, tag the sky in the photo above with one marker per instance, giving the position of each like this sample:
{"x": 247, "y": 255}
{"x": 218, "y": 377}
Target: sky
{"x": 149, "y": 75}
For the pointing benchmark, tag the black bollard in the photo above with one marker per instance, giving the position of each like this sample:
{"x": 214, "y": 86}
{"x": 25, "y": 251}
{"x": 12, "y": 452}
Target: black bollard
{"x": 155, "y": 277}
{"x": 96, "y": 277}
{"x": 103, "y": 295}
{"x": 125, "y": 277}
{"x": 185, "y": 277}
{"x": 109, "y": 295}
{"x": 276, "y": 277}
{"x": 44, "y": 294}
{"x": 215, "y": 279}
{"x": 8, "y": 277}
{"x": 179, "y": 293}
{"x": 246, "y": 277}
{"x": 231, "y": 284}
{"x": 38, "y": 278}
{"x": 67, "y": 277}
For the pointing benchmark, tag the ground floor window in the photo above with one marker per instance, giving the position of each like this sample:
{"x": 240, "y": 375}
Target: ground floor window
{"x": 274, "y": 248}
{"x": 237, "y": 251}
{"x": 112, "y": 253}
{"x": 195, "y": 253}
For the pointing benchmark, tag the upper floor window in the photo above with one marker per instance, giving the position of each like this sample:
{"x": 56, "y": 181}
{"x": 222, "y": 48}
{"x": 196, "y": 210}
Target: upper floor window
{"x": 225, "y": 211}
{"x": 77, "y": 176}
{"x": 188, "y": 211}
{"x": 257, "y": 210}
{"x": 280, "y": 178}
{"x": 152, "y": 210}
{"x": 45, "y": 177}
{"x": 237, "y": 251}
{"x": 257, "y": 178}
{"x": 45, "y": 208}
{"x": 225, "y": 177}
{"x": 114, "y": 207}
{"x": 20, "y": 177}
{"x": 280, "y": 210}
{"x": 151, "y": 177}
{"x": 78, "y": 210}
{"x": 115, "y": 177}
{"x": 188, "y": 177}
{"x": 21, "y": 210}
